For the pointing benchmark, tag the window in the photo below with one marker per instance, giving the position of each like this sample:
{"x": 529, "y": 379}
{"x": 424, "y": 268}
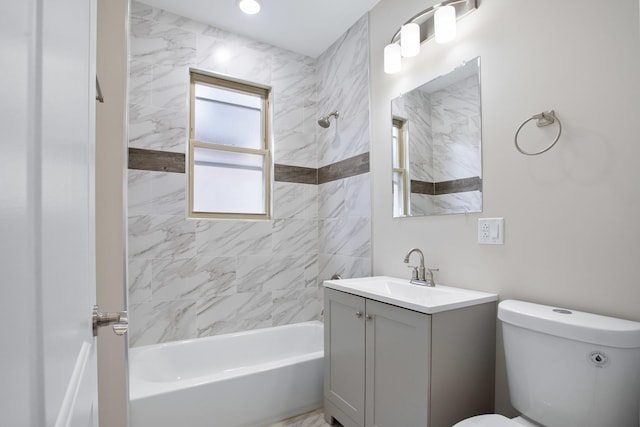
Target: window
{"x": 229, "y": 158}
{"x": 400, "y": 176}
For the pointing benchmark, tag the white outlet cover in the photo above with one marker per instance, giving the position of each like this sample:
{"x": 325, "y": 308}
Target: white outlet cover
{"x": 491, "y": 231}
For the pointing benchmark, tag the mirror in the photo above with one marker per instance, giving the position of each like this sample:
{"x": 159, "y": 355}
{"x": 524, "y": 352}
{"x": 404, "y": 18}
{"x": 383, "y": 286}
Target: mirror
{"x": 436, "y": 139}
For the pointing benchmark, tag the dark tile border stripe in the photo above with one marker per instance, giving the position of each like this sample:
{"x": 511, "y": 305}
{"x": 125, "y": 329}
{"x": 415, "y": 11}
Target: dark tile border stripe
{"x": 297, "y": 174}
{"x": 447, "y": 187}
{"x": 353, "y": 166}
{"x": 422, "y": 187}
{"x": 165, "y": 161}
{"x": 153, "y": 160}
{"x": 459, "y": 185}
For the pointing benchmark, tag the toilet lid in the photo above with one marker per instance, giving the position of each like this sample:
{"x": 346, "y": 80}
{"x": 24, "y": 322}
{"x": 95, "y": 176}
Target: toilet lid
{"x": 491, "y": 420}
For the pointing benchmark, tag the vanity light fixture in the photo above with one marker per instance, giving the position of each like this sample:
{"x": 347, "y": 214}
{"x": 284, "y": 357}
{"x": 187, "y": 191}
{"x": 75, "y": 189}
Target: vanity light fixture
{"x": 392, "y": 58}
{"x": 444, "y": 21}
{"x": 410, "y": 39}
{"x": 250, "y": 7}
{"x": 439, "y": 20}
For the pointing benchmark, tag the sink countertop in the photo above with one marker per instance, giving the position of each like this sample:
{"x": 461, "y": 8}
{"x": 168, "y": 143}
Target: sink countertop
{"x": 400, "y": 292}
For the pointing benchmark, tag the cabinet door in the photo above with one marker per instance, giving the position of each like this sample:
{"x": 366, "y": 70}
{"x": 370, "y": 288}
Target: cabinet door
{"x": 344, "y": 353}
{"x": 397, "y": 366}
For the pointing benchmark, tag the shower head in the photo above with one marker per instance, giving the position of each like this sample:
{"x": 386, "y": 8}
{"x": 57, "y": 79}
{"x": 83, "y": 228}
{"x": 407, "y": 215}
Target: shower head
{"x": 324, "y": 120}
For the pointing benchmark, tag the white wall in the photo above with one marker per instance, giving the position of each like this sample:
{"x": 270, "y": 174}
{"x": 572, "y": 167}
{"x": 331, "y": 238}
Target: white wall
{"x": 572, "y": 214}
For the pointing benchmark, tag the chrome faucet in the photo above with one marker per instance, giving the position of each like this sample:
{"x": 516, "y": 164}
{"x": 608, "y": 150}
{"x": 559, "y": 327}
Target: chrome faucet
{"x": 419, "y": 275}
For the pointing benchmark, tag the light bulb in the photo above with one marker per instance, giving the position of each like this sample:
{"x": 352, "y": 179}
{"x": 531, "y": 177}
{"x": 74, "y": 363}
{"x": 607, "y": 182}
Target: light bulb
{"x": 250, "y": 7}
{"x": 445, "y": 24}
{"x": 410, "y": 40}
{"x": 392, "y": 58}
{"x": 222, "y": 55}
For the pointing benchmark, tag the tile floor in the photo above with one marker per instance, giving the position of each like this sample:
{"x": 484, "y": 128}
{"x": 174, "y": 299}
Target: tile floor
{"x": 310, "y": 419}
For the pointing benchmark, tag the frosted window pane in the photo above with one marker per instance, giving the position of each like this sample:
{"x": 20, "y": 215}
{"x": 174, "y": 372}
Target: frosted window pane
{"x": 398, "y": 205}
{"x": 228, "y": 96}
{"x": 228, "y": 182}
{"x": 228, "y": 118}
{"x": 396, "y": 147}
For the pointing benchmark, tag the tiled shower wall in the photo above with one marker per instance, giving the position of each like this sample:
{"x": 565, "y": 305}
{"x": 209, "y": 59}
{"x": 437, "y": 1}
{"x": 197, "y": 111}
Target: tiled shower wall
{"x": 191, "y": 278}
{"x": 345, "y": 204}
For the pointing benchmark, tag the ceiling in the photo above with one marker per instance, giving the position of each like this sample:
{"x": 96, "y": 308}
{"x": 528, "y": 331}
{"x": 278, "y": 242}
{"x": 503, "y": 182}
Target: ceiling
{"x": 308, "y": 27}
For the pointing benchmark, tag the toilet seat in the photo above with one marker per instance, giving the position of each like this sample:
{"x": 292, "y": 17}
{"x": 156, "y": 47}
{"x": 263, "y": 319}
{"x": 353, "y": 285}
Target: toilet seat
{"x": 490, "y": 420}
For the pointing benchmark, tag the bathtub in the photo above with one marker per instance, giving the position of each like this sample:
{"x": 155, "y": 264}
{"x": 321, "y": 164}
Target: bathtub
{"x": 243, "y": 379}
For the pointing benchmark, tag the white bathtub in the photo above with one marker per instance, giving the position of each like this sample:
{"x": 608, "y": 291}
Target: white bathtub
{"x": 244, "y": 379}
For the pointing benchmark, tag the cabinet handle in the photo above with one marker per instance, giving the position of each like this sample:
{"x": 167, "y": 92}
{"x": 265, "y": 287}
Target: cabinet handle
{"x": 367, "y": 317}
{"x": 358, "y": 314}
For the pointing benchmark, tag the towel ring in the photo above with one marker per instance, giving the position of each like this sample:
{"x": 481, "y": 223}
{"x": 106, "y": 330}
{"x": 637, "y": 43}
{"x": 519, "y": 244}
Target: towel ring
{"x": 545, "y": 118}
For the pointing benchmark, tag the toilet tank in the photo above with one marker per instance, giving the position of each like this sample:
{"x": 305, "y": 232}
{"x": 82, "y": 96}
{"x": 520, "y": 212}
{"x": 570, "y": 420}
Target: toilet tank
{"x": 567, "y": 368}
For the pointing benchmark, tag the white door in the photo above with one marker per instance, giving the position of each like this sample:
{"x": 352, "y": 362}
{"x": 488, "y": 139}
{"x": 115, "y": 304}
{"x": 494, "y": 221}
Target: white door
{"x": 47, "y": 255}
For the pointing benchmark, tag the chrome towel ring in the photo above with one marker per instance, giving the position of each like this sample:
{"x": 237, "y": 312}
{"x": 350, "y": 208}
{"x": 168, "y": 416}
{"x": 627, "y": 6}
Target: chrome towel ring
{"x": 545, "y": 118}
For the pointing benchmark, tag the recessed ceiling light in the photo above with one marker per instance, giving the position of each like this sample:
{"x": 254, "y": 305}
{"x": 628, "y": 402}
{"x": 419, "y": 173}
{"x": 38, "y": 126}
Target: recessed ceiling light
{"x": 250, "y": 7}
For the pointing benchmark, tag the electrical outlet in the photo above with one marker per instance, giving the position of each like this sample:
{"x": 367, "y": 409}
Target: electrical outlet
{"x": 485, "y": 227}
{"x": 491, "y": 231}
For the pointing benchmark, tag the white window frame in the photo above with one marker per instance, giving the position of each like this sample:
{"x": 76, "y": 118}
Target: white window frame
{"x": 197, "y": 76}
{"x": 400, "y": 125}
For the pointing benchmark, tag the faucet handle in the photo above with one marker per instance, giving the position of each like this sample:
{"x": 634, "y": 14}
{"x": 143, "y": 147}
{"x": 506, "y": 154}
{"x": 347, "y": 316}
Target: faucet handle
{"x": 429, "y": 278}
{"x": 414, "y": 273}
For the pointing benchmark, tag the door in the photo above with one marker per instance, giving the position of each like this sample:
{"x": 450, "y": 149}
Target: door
{"x": 47, "y": 237}
{"x": 111, "y": 136}
{"x": 397, "y": 372}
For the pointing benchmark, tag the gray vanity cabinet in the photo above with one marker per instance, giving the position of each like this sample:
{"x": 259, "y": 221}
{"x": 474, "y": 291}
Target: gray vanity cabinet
{"x": 396, "y": 366}
{"x": 344, "y": 341}
{"x": 382, "y": 367}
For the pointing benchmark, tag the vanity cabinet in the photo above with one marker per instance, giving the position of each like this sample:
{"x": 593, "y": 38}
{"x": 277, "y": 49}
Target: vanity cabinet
{"x": 388, "y": 366}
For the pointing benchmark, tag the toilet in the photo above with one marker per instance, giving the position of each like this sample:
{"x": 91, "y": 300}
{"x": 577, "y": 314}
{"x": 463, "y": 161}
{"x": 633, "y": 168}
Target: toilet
{"x": 567, "y": 368}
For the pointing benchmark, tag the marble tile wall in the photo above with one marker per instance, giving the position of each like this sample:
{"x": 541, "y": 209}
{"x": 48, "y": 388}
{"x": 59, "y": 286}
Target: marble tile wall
{"x": 420, "y": 136}
{"x": 444, "y": 146}
{"x": 193, "y": 278}
{"x": 344, "y": 216}
{"x": 343, "y": 85}
{"x": 190, "y": 278}
{"x": 417, "y": 104}
{"x": 456, "y": 142}
{"x": 456, "y": 131}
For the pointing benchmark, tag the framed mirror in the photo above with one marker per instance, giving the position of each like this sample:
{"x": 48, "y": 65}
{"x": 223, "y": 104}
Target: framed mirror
{"x": 437, "y": 151}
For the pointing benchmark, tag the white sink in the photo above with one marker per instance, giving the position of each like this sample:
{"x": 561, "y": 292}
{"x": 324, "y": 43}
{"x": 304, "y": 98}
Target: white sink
{"x": 400, "y": 292}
